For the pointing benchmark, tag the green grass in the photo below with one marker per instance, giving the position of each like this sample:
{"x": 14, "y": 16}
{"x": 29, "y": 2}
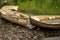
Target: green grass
{"x": 37, "y": 7}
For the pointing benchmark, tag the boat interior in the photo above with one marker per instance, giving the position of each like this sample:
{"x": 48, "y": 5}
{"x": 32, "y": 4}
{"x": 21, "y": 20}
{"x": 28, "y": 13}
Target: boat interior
{"x": 47, "y": 19}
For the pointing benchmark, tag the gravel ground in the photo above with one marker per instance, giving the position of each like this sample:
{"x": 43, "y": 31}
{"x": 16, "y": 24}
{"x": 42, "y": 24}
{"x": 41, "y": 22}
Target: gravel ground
{"x": 10, "y": 31}
{"x": 52, "y": 38}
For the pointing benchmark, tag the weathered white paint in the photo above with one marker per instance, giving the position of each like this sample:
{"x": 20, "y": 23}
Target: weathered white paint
{"x": 36, "y": 19}
{"x": 10, "y": 7}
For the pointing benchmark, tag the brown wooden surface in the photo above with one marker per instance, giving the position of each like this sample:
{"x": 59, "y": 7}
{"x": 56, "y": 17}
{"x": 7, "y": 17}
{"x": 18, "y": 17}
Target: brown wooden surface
{"x": 40, "y": 24}
{"x": 14, "y": 20}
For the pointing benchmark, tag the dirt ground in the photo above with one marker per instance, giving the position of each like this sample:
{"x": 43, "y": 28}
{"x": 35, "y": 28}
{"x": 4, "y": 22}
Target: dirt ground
{"x": 10, "y": 31}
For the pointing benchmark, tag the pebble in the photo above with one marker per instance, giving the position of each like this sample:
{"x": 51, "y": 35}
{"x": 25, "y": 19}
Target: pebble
{"x": 37, "y": 28}
{"x": 35, "y": 37}
{"x": 1, "y": 39}
{"x": 18, "y": 26}
{"x": 21, "y": 37}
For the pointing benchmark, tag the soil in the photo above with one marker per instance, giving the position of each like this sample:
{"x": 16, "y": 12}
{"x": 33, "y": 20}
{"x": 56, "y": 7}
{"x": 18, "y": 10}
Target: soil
{"x": 10, "y": 31}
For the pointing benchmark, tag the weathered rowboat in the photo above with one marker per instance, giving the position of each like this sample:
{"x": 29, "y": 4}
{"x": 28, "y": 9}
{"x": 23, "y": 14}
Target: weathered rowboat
{"x": 15, "y": 17}
{"x": 46, "y": 21}
{"x": 52, "y": 21}
{"x": 10, "y": 13}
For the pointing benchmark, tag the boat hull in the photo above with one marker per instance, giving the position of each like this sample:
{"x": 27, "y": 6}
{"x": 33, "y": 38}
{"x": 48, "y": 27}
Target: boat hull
{"x": 44, "y": 25}
{"x": 20, "y": 21}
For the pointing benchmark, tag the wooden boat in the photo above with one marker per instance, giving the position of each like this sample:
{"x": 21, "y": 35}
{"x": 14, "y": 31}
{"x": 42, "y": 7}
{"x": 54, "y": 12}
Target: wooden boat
{"x": 46, "y": 21}
{"x": 15, "y": 17}
{"x": 52, "y": 21}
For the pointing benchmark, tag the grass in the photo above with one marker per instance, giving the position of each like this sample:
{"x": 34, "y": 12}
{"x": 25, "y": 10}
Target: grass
{"x": 37, "y": 7}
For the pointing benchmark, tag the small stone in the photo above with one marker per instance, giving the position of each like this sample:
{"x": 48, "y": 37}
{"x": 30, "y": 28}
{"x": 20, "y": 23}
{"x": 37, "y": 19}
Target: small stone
{"x": 1, "y": 39}
{"x": 35, "y": 37}
{"x": 21, "y": 36}
{"x": 0, "y": 35}
{"x": 18, "y": 26}
{"x": 37, "y": 28}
